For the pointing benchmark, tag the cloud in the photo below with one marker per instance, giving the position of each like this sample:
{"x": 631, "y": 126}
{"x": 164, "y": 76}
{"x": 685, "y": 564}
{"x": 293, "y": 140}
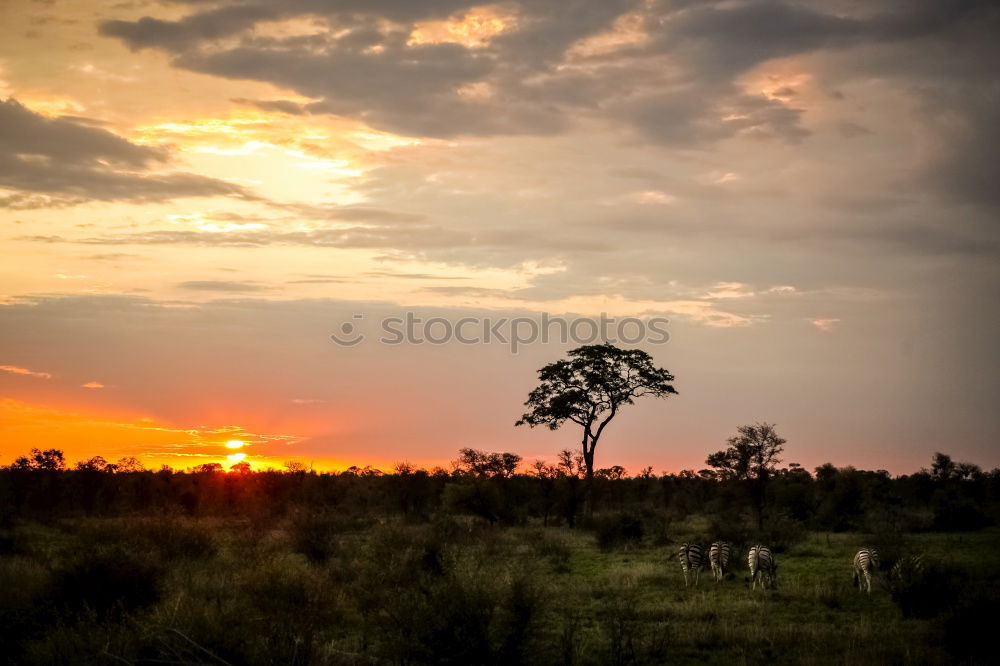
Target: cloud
{"x": 93, "y": 385}
{"x": 219, "y": 285}
{"x": 675, "y": 82}
{"x": 57, "y": 162}
{"x": 149, "y": 32}
{"x": 279, "y": 105}
{"x": 16, "y": 370}
{"x": 825, "y": 325}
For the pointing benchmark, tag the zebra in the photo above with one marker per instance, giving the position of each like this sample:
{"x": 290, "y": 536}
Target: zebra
{"x": 762, "y": 567}
{"x": 718, "y": 557}
{"x": 865, "y": 566}
{"x": 690, "y": 557}
{"x": 906, "y": 569}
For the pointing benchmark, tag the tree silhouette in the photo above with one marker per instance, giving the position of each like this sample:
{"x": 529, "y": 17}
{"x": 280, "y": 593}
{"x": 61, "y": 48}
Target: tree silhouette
{"x": 589, "y": 389}
{"x": 481, "y": 463}
{"x": 94, "y": 464}
{"x": 752, "y": 457}
{"x": 129, "y": 464}
{"x": 50, "y": 459}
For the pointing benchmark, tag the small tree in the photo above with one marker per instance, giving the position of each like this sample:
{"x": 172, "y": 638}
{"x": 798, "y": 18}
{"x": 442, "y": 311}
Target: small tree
{"x": 752, "y": 457}
{"x": 95, "y": 464}
{"x": 481, "y": 463}
{"x": 589, "y": 388}
{"x": 129, "y": 464}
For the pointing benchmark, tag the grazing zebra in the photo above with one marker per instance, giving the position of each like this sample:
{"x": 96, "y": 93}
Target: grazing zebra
{"x": 718, "y": 557}
{"x": 690, "y": 557}
{"x": 865, "y": 566}
{"x": 906, "y": 569}
{"x": 762, "y": 567}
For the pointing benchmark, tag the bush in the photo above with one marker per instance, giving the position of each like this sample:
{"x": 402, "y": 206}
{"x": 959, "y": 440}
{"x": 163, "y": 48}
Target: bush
{"x": 958, "y": 515}
{"x": 628, "y": 638}
{"x": 925, "y": 589}
{"x": 735, "y": 530}
{"x": 555, "y": 550}
{"x": 175, "y": 539}
{"x": 108, "y": 582}
{"x": 781, "y": 533}
{"x": 621, "y": 530}
{"x": 316, "y": 534}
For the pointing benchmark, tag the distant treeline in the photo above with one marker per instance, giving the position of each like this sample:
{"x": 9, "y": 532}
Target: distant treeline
{"x": 495, "y": 488}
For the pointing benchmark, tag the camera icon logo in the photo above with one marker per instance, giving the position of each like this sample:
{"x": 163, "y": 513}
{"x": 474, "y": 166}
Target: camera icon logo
{"x": 349, "y": 336}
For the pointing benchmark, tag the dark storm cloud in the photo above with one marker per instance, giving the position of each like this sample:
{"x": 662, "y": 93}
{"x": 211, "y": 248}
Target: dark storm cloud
{"x": 24, "y": 132}
{"x": 359, "y": 68}
{"x": 717, "y": 40}
{"x": 177, "y": 35}
{"x": 73, "y": 162}
{"x": 678, "y": 88}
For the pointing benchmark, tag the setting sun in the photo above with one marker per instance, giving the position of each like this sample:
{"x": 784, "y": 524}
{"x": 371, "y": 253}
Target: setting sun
{"x": 235, "y": 444}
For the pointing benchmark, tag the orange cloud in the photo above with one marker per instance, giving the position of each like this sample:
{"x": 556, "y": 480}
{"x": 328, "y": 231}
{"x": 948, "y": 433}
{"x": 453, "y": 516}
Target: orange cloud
{"x": 473, "y": 30}
{"x": 13, "y": 369}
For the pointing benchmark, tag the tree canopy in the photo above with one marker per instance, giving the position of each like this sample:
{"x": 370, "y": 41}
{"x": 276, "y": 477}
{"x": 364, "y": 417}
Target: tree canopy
{"x": 589, "y": 388}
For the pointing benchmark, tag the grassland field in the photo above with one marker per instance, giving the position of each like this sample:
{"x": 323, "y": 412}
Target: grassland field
{"x": 328, "y": 591}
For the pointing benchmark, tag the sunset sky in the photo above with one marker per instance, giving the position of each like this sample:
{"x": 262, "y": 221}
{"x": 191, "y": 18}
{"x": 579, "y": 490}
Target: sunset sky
{"x": 194, "y": 195}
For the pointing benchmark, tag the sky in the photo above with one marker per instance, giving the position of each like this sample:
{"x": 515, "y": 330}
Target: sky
{"x": 195, "y": 195}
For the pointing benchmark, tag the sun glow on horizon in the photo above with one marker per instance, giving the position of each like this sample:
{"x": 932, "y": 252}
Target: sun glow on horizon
{"x": 237, "y": 457}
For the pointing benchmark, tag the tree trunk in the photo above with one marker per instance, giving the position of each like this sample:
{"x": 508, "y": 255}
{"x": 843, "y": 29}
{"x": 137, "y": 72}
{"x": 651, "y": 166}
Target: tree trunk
{"x": 588, "y": 460}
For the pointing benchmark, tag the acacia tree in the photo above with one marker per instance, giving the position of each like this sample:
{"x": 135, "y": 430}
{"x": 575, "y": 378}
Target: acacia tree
{"x": 589, "y": 389}
{"x": 752, "y": 457}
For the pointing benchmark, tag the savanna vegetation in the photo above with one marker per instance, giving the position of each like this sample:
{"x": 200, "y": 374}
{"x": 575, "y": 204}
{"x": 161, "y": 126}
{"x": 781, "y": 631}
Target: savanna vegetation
{"x": 491, "y": 562}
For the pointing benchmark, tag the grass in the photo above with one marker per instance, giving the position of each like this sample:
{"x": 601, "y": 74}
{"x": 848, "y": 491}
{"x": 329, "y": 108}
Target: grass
{"x": 328, "y": 592}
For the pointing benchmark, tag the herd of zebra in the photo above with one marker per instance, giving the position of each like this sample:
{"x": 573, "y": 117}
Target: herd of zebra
{"x": 764, "y": 569}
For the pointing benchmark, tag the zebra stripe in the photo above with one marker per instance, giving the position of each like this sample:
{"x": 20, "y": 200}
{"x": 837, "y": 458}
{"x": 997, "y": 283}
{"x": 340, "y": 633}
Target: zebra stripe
{"x": 865, "y": 566}
{"x": 907, "y": 568}
{"x": 690, "y": 557}
{"x": 763, "y": 568}
{"x": 718, "y": 557}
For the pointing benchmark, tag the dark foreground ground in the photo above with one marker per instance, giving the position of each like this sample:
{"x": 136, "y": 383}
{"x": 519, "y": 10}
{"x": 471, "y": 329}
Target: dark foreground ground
{"x": 328, "y": 590}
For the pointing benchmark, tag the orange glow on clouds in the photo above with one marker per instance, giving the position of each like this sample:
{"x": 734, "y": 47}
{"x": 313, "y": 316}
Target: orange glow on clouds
{"x": 472, "y": 30}
{"x": 81, "y": 435}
